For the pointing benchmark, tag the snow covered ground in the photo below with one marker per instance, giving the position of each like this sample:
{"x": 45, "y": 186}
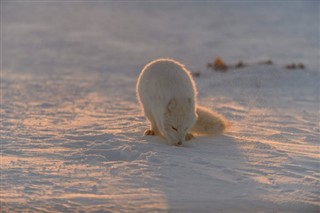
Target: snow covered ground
{"x": 72, "y": 131}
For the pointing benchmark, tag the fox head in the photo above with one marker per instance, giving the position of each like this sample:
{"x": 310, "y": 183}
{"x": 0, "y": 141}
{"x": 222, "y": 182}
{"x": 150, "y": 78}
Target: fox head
{"x": 180, "y": 116}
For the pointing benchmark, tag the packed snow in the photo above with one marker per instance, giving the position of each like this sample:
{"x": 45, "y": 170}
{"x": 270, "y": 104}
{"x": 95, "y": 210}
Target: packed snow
{"x": 72, "y": 130}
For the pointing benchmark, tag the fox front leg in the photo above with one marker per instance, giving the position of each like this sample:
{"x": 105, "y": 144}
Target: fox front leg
{"x": 149, "y": 132}
{"x": 189, "y": 136}
{"x": 154, "y": 130}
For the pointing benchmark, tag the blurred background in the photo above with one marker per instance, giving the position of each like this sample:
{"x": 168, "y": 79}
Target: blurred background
{"x": 49, "y": 36}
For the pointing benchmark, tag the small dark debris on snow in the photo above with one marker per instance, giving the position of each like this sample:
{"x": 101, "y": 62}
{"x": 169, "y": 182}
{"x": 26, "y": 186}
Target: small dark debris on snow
{"x": 240, "y": 64}
{"x": 196, "y": 74}
{"x": 301, "y": 66}
{"x": 267, "y": 62}
{"x": 218, "y": 65}
{"x": 293, "y": 66}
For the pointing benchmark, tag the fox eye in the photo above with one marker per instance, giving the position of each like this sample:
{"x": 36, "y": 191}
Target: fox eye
{"x": 175, "y": 129}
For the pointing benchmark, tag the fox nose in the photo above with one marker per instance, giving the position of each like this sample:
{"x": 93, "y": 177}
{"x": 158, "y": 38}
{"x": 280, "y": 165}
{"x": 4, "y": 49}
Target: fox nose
{"x": 179, "y": 143}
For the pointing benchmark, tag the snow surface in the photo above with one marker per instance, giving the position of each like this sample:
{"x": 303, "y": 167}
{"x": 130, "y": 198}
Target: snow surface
{"x": 72, "y": 131}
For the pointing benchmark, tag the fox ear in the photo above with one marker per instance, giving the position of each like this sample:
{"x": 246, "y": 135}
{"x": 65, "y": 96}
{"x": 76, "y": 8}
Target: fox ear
{"x": 171, "y": 105}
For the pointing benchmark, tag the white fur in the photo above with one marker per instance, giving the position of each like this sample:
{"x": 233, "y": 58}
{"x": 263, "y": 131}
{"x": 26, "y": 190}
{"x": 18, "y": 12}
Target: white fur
{"x": 167, "y": 94}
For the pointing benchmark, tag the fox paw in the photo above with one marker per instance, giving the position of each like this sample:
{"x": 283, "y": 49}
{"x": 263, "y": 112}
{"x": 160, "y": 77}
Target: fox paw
{"x": 189, "y": 136}
{"x": 149, "y": 132}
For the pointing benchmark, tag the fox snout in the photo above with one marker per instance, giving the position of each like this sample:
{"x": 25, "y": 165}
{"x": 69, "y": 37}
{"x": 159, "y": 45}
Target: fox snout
{"x": 175, "y": 143}
{"x": 174, "y": 137}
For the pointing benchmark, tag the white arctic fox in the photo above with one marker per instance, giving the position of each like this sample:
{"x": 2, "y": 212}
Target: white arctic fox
{"x": 167, "y": 93}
